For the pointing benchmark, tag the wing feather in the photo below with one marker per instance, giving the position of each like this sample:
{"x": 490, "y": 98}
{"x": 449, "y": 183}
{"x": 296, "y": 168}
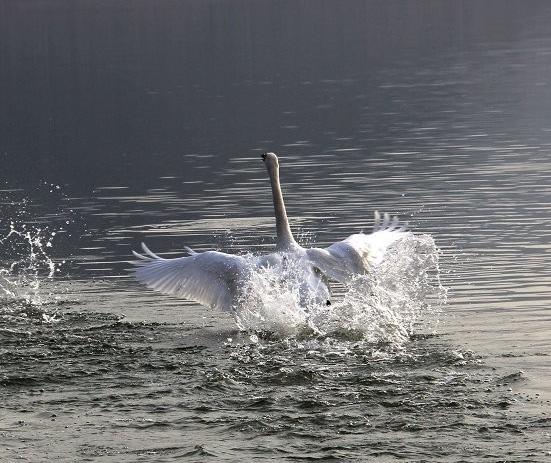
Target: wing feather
{"x": 360, "y": 252}
{"x": 209, "y": 278}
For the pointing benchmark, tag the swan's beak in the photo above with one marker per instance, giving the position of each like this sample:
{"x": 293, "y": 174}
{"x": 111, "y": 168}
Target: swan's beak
{"x": 263, "y": 156}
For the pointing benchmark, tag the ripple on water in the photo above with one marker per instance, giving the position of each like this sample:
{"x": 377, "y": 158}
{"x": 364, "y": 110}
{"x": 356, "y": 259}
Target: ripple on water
{"x": 95, "y": 370}
{"x": 353, "y": 385}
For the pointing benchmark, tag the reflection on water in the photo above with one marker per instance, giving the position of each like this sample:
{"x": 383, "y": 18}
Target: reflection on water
{"x": 153, "y": 139}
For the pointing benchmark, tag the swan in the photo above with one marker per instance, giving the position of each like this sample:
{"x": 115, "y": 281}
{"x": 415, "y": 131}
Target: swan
{"x": 214, "y": 278}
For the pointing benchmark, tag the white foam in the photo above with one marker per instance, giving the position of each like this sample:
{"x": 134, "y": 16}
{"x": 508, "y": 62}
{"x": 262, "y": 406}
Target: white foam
{"x": 389, "y": 304}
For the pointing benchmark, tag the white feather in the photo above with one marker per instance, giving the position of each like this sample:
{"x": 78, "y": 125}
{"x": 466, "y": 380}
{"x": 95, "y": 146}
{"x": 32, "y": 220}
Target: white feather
{"x": 210, "y": 278}
{"x": 360, "y": 252}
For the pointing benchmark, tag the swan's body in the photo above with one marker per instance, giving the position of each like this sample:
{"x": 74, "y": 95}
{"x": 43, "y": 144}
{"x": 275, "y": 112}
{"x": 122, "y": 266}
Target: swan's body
{"x": 215, "y": 278}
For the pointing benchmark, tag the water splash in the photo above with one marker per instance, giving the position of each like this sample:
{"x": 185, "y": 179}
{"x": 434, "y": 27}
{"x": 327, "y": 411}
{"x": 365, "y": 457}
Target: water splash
{"x": 402, "y": 295}
{"x": 21, "y": 278}
{"x": 271, "y": 301}
{"x": 26, "y": 263}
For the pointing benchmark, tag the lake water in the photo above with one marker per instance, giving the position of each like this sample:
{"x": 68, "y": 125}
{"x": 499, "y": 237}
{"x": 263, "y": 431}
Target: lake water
{"x": 124, "y": 122}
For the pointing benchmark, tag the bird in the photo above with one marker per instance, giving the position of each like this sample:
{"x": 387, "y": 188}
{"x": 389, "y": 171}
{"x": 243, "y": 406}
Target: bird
{"x": 215, "y": 279}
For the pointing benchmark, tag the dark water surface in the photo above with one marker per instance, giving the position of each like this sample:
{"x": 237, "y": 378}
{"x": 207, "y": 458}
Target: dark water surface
{"x": 130, "y": 121}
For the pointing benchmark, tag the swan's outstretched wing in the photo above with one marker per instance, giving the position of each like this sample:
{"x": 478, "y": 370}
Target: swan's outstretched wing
{"x": 361, "y": 252}
{"x": 209, "y": 278}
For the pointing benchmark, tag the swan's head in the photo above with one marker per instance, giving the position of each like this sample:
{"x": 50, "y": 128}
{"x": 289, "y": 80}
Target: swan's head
{"x": 270, "y": 159}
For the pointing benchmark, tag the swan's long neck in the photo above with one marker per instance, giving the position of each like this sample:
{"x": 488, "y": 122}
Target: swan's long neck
{"x": 284, "y": 236}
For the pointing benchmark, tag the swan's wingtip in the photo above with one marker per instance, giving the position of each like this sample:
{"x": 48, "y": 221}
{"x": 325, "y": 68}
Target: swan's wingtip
{"x": 149, "y": 252}
{"x": 148, "y": 256}
{"x": 139, "y": 256}
{"x": 142, "y": 260}
{"x": 389, "y": 223}
{"x": 190, "y": 251}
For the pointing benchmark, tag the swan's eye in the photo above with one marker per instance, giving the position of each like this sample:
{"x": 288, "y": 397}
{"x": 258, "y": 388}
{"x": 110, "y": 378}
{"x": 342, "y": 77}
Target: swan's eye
{"x": 263, "y": 156}
{"x": 327, "y": 302}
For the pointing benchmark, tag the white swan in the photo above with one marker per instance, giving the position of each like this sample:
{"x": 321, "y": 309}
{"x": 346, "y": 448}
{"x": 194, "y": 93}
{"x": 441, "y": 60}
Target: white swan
{"x": 214, "y": 278}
